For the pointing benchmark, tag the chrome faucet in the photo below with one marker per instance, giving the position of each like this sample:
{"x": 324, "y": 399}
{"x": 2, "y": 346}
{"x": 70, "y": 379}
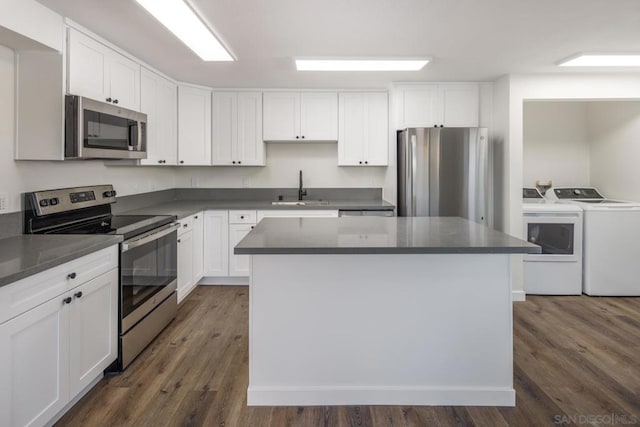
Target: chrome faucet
{"x": 301, "y": 191}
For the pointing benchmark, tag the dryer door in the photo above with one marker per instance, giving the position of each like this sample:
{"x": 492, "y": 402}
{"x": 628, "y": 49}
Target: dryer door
{"x": 559, "y": 235}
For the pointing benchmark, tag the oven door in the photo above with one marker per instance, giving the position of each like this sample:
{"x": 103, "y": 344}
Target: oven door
{"x": 559, "y": 235}
{"x": 148, "y": 273}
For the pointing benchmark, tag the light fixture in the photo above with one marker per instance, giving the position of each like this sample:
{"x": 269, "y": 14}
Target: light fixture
{"x": 182, "y": 21}
{"x": 602, "y": 60}
{"x": 361, "y": 64}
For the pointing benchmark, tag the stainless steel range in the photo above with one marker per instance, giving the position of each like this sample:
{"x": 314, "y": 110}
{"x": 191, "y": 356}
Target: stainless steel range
{"x": 148, "y": 256}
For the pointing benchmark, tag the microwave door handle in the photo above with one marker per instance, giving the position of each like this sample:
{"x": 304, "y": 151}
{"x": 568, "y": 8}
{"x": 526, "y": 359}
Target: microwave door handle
{"x": 133, "y": 135}
{"x": 139, "y": 142}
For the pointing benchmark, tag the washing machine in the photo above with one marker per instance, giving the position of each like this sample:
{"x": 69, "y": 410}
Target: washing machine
{"x": 557, "y": 229}
{"x": 611, "y": 248}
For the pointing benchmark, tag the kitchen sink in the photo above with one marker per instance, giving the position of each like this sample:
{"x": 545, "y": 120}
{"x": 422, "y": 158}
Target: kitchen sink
{"x": 300, "y": 203}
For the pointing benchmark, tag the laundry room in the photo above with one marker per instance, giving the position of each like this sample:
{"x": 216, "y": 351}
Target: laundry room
{"x": 583, "y": 144}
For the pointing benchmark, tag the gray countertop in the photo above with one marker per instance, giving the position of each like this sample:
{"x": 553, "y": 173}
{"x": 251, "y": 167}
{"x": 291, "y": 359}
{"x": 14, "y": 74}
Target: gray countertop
{"x": 184, "y": 208}
{"x": 25, "y": 255}
{"x": 378, "y": 235}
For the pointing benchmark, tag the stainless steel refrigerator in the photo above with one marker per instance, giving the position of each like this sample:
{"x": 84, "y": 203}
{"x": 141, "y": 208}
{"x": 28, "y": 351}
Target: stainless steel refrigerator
{"x": 444, "y": 172}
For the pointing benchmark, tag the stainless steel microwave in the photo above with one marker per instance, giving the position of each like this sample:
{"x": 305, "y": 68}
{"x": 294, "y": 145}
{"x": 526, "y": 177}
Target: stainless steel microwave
{"x": 97, "y": 130}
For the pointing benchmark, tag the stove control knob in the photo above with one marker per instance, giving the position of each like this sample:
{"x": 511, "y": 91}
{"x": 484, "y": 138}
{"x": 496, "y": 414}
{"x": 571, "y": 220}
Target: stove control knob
{"x": 111, "y": 193}
{"x": 577, "y": 191}
{"x": 54, "y": 201}
{"x": 44, "y": 203}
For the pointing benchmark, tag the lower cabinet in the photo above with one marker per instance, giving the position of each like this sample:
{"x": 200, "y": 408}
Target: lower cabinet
{"x": 216, "y": 243}
{"x": 190, "y": 253}
{"x": 51, "y": 352}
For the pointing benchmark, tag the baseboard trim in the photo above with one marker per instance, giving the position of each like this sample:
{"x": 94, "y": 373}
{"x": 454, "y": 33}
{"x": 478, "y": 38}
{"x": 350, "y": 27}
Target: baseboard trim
{"x": 412, "y": 396}
{"x": 229, "y": 281}
{"x": 518, "y": 296}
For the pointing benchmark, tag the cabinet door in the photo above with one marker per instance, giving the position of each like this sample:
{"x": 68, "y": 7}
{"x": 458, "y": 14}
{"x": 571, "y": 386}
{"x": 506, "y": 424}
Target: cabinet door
{"x": 34, "y": 364}
{"x": 185, "y": 264}
{"x": 421, "y": 106}
{"x": 88, "y": 67}
{"x": 353, "y": 124}
{"x": 319, "y": 116}
{"x": 238, "y": 264}
{"x": 159, "y": 101}
{"x": 281, "y": 116}
{"x": 124, "y": 81}
{"x": 249, "y": 144}
{"x": 376, "y": 147}
{"x": 224, "y": 128}
{"x": 461, "y": 104}
{"x": 198, "y": 247}
{"x": 216, "y": 243}
{"x": 93, "y": 325}
{"x": 194, "y": 126}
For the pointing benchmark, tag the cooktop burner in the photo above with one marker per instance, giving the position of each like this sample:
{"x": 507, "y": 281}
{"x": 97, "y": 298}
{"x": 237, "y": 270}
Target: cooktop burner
{"x": 126, "y": 225}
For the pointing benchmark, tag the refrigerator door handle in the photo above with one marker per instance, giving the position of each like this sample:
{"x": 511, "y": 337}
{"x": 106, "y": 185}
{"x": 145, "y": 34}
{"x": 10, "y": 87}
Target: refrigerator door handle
{"x": 412, "y": 172}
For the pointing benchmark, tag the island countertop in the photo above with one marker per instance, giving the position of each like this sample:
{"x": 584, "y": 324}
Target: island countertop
{"x": 378, "y": 235}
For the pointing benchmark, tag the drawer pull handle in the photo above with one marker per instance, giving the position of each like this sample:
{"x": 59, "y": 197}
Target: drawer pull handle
{"x": 67, "y": 300}
{"x": 241, "y": 216}
{"x": 78, "y": 294}
{"x": 71, "y": 276}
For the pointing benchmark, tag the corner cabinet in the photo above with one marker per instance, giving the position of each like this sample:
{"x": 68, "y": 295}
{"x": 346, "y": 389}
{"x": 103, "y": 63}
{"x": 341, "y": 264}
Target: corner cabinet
{"x": 159, "y": 101}
{"x": 363, "y": 138}
{"x": 58, "y": 332}
{"x": 194, "y": 126}
{"x": 99, "y": 72}
{"x": 237, "y": 129}
{"x": 300, "y": 116}
{"x": 445, "y": 104}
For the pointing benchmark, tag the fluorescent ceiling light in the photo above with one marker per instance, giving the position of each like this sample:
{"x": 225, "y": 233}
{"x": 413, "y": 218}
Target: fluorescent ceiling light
{"x": 360, "y": 64}
{"x": 593, "y": 60}
{"x": 181, "y": 20}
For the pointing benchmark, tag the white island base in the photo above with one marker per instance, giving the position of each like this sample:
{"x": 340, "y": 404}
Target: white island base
{"x": 380, "y": 329}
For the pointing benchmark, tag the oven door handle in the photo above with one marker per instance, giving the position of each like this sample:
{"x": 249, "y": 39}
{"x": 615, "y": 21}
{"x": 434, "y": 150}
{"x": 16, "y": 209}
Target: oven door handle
{"x": 149, "y": 237}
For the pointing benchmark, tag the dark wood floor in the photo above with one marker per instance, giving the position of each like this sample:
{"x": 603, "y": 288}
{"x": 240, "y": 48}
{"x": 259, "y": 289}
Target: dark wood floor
{"x": 577, "y": 361}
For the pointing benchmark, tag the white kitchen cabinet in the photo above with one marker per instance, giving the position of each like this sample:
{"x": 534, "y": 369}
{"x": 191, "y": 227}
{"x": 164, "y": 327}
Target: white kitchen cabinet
{"x": 194, "y": 125}
{"x": 198, "y": 247}
{"x": 297, "y": 213}
{"x": 185, "y": 264}
{"x": 241, "y": 222}
{"x": 53, "y": 344}
{"x": 363, "y": 129}
{"x": 98, "y": 72}
{"x": 444, "y": 104}
{"x": 34, "y": 365}
{"x": 93, "y": 323}
{"x": 237, "y": 129}
{"x": 238, "y": 264}
{"x": 159, "y": 101}
{"x": 216, "y": 243}
{"x": 300, "y": 116}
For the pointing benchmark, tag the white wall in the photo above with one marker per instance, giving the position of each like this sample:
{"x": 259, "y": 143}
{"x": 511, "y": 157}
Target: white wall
{"x": 614, "y": 135}
{"x": 556, "y": 143}
{"x": 17, "y": 177}
{"x": 318, "y": 162}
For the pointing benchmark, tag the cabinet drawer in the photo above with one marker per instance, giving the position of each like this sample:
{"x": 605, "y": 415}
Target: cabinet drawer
{"x": 242, "y": 217}
{"x": 32, "y": 291}
{"x": 186, "y": 224}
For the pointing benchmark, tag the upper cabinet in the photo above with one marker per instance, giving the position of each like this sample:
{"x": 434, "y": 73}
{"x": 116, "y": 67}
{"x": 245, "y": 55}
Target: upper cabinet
{"x": 159, "y": 101}
{"x": 98, "y": 72}
{"x": 296, "y": 116}
{"x": 364, "y": 133}
{"x": 194, "y": 125}
{"x": 429, "y": 105}
{"x": 237, "y": 129}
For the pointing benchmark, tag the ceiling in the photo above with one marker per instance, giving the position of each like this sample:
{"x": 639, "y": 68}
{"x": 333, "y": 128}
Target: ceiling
{"x": 468, "y": 40}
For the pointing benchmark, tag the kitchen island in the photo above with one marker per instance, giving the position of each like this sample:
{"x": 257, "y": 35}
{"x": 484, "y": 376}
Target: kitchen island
{"x": 380, "y": 311}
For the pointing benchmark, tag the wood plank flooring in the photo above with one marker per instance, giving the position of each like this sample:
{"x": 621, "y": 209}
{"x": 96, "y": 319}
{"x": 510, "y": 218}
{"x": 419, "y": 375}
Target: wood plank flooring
{"x": 577, "y": 361}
